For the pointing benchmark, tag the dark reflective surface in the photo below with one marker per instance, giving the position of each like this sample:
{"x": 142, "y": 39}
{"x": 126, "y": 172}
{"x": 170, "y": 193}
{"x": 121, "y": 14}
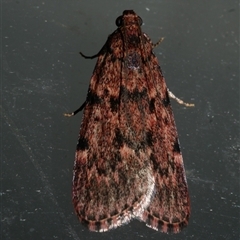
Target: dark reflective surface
{"x": 43, "y": 76}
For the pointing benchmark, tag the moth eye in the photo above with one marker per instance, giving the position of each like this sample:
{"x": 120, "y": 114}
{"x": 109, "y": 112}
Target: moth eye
{"x": 119, "y": 21}
{"x": 140, "y": 21}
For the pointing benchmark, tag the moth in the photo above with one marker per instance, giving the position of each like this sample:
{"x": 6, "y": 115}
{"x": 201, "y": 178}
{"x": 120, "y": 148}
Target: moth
{"x": 128, "y": 162}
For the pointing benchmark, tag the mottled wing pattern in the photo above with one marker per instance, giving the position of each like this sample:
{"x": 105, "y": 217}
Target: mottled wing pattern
{"x": 111, "y": 183}
{"x": 169, "y": 209}
{"x": 128, "y": 162}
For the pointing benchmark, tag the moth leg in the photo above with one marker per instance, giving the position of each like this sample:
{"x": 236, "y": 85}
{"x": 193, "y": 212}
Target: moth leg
{"x": 103, "y": 49}
{"x": 89, "y": 57}
{"x": 84, "y": 104}
{"x": 158, "y": 42}
{"x": 171, "y": 95}
{"x": 76, "y": 111}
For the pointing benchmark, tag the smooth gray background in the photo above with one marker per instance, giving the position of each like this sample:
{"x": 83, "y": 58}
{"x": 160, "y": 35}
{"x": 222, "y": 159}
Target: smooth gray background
{"x": 43, "y": 76}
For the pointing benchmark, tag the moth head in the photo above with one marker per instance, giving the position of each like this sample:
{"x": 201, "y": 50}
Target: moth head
{"x": 126, "y": 15}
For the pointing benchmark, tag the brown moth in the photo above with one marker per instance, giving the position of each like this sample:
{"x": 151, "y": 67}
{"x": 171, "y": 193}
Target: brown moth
{"x": 128, "y": 162}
